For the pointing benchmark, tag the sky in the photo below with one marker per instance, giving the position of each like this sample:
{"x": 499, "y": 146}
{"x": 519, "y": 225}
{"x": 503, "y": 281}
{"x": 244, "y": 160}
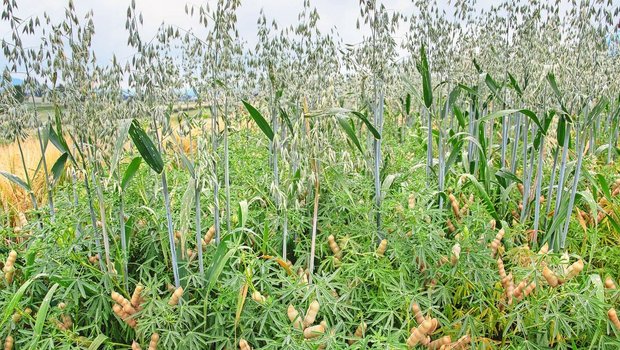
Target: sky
{"x": 111, "y": 36}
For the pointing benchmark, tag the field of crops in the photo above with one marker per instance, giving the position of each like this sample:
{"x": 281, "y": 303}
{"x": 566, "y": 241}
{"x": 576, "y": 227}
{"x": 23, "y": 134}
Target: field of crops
{"x": 449, "y": 182}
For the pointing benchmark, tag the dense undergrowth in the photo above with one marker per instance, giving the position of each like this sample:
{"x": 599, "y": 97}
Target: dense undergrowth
{"x": 53, "y": 268}
{"x": 314, "y": 194}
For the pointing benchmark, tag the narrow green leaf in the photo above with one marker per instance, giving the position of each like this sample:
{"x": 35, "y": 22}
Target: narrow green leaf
{"x": 42, "y": 314}
{"x": 146, "y": 147}
{"x": 488, "y": 204}
{"x": 260, "y": 121}
{"x": 528, "y": 113}
{"x": 130, "y": 172}
{"x": 59, "y": 166}
{"x": 243, "y": 212}
{"x": 344, "y": 124}
{"x": 408, "y": 103}
{"x": 287, "y": 120}
{"x": 188, "y": 164}
{"x": 123, "y": 130}
{"x": 97, "y": 342}
{"x": 368, "y": 124}
{"x": 424, "y": 70}
{"x": 16, "y": 180}
{"x": 17, "y": 296}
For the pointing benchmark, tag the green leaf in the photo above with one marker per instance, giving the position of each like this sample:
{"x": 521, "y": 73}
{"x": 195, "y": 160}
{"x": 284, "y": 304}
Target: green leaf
{"x": 59, "y": 166}
{"x": 507, "y": 175}
{"x": 146, "y": 147}
{"x": 368, "y": 124}
{"x": 488, "y": 204}
{"x": 130, "y": 172}
{"x": 459, "y": 115}
{"x": 287, "y": 120}
{"x": 123, "y": 130}
{"x": 220, "y": 259}
{"x": 528, "y": 113}
{"x": 408, "y": 103}
{"x": 260, "y": 121}
{"x": 188, "y": 164}
{"x": 424, "y": 70}
{"x": 10, "y": 307}
{"x": 243, "y": 212}
{"x": 515, "y": 84}
{"x": 42, "y": 314}
{"x": 556, "y": 91}
{"x": 56, "y": 140}
{"x": 97, "y": 342}
{"x": 562, "y": 129}
{"x": 344, "y": 124}
{"x": 492, "y": 85}
{"x": 387, "y": 184}
{"x": 16, "y": 180}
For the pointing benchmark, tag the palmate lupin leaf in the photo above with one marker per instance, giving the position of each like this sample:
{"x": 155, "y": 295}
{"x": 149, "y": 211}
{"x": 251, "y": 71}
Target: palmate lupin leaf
{"x": 145, "y": 146}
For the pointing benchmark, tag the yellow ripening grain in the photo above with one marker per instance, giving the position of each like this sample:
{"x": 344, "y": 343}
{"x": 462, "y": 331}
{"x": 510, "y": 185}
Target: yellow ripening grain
{"x": 13, "y": 197}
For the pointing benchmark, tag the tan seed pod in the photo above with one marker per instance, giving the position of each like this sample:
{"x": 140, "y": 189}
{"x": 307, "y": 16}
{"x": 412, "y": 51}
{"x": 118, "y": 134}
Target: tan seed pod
{"x": 174, "y": 299}
{"x": 497, "y": 241}
{"x": 520, "y": 187}
{"x": 529, "y": 289}
{"x": 62, "y": 306}
{"x": 609, "y": 283}
{"x": 22, "y": 219}
{"x": 382, "y": 247}
{"x": 136, "y": 297}
{"x": 456, "y": 210}
{"x": 461, "y": 343}
{"x": 209, "y": 235}
{"x": 437, "y": 344}
{"x": 434, "y": 325}
{"x": 258, "y": 297}
{"x": 502, "y": 270}
{"x": 613, "y": 317}
{"x": 334, "y": 247}
{"x": 419, "y": 334}
{"x": 314, "y": 331}
{"x": 16, "y": 317}
{"x": 8, "y": 343}
{"x": 456, "y": 254}
{"x": 550, "y": 277}
{"x": 313, "y": 310}
{"x": 417, "y": 313}
{"x": 154, "y": 341}
{"x": 411, "y": 201}
{"x": 450, "y": 226}
{"x": 243, "y": 345}
{"x": 574, "y": 269}
{"x": 67, "y": 322}
{"x": 544, "y": 249}
{"x": 492, "y": 224}
{"x": 518, "y": 293}
{"x": 135, "y": 346}
{"x": 510, "y": 288}
{"x": 293, "y": 316}
{"x": 359, "y": 332}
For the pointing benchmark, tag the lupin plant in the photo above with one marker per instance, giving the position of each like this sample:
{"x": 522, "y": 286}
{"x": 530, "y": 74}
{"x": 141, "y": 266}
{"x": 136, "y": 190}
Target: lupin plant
{"x": 481, "y": 211}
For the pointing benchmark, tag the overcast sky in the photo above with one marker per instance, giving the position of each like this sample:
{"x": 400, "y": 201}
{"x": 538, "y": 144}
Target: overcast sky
{"x": 111, "y": 36}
